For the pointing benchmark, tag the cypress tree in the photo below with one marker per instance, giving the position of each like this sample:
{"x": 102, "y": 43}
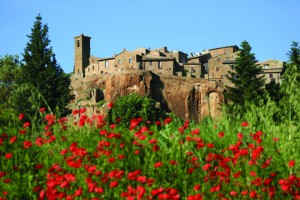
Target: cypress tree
{"x": 41, "y": 70}
{"x": 247, "y": 84}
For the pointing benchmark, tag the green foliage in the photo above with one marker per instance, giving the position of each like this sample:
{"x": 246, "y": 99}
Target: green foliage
{"x": 273, "y": 90}
{"x": 291, "y": 88}
{"x": 247, "y": 85}
{"x": 9, "y": 74}
{"x": 133, "y": 106}
{"x": 41, "y": 69}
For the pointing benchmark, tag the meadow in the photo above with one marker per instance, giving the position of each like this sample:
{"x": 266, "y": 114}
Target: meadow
{"x": 83, "y": 157}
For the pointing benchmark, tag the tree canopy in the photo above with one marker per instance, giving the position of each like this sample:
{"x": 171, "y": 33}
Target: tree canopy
{"x": 247, "y": 84}
{"x": 41, "y": 70}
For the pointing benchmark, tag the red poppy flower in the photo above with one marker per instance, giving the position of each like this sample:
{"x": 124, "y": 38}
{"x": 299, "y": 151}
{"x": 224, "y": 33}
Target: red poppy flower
{"x": 8, "y": 155}
{"x": 13, "y": 139}
{"x": 173, "y": 162}
{"x": 291, "y": 163}
{"x": 113, "y": 184}
{"x": 26, "y": 124}
{"x": 42, "y": 109}
{"x": 197, "y": 187}
{"x": 27, "y": 144}
{"x": 158, "y": 164}
{"x": 206, "y": 166}
{"x": 221, "y": 134}
{"x": 110, "y": 105}
{"x": 244, "y": 124}
{"x": 21, "y": 116}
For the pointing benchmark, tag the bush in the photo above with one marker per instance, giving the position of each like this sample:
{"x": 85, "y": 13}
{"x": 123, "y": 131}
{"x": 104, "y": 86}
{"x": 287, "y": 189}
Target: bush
{"x": 133, "y": 106}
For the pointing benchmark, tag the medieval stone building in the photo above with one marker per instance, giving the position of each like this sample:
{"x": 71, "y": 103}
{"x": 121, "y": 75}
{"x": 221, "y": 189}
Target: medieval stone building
{"x": 191, "y": 87}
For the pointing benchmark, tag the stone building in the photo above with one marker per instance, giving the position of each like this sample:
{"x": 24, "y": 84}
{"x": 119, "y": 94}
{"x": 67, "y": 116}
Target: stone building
{"x": 159, "y": 61}
{"x": 158, "y": 73}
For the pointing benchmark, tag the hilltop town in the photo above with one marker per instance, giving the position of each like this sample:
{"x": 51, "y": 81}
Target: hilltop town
{"x": 188, "y": 85}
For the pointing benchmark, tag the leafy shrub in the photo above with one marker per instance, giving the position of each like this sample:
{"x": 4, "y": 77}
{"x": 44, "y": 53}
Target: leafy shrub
{"x": 133, "y": 106}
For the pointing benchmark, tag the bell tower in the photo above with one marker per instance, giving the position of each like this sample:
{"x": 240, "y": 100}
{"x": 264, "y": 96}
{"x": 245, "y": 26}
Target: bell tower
{"x": 82, "y": 51}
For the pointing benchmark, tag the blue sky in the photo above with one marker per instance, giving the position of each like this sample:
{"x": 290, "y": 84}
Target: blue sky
{"x": 269, "y": 26}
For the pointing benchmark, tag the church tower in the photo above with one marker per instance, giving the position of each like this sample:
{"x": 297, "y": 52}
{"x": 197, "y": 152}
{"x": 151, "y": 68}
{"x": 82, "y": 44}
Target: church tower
{"x": 81, "y": 53}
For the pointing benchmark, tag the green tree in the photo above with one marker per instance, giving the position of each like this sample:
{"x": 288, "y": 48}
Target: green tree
{"x": 133, "y": 106}
{"x": 9, "y": 75}
{"x": 247, "y": 84}
{"x": 290, "y": 87}
{"x": 41, "y": 70}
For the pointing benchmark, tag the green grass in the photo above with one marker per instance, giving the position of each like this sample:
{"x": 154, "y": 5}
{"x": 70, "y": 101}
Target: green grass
{"x": 87, "y": 158}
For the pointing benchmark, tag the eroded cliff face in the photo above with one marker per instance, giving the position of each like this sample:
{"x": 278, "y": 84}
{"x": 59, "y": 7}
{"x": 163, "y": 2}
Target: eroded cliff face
{"x": 188, "y": 98}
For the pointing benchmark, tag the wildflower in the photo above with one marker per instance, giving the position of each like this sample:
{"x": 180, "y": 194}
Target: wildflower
{"x": 240, "y": 136}
{"x": 158, "y": 164}
{"x": 82, "y": 110}
{"x": 13, "y": 139}
{"x": 167, "y": 120}
{"x": 21, "y": 116}
{"x": 252, "y": 173}
{"x": 190, "y": 170}
{"x": 291, "y": 163}
{"x": 221, "y": 134}
{"x": 110, "y": 105}
{"x": 206, "y": 167}
{"x": 42, "y": 109}
{"x": 173, "y": 162}
{"x": 26, "y": 124}
{"x": 27, "y": 144}
{"x": 113, "y": 184}
{"x": 244, "y": 124}
{"x": 75, "y": 112}
{"x": 8, "y": 155}
{"x": 233, "y": 193}
{"x": 195, "y": 132}
{"x": 39, "y": 141}
{"x": 197, "y": 187}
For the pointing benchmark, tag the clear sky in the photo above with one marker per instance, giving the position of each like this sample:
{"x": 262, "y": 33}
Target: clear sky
{"x": 269, "y": 26}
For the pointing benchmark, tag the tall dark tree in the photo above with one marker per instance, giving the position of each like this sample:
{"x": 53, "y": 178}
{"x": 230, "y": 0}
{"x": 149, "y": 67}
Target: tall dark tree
{"x": 41, "y": 70}
{"x": 247, "y": 84}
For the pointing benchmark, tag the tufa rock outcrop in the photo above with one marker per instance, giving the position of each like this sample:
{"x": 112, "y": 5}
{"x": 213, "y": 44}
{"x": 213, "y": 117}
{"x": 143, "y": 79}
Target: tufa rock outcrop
{"x": 188, "y": 98}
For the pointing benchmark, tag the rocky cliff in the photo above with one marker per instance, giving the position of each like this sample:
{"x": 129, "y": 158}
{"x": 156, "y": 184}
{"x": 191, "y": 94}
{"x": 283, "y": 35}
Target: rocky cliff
{"x": 188, "y": 98}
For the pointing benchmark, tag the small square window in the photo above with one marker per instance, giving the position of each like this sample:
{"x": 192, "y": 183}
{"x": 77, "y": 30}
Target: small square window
{"x": 119, "y": 61}
{"x": 270, "y": 75}
{"x": 150, "y": 63}
{"x": 217, "y": 69}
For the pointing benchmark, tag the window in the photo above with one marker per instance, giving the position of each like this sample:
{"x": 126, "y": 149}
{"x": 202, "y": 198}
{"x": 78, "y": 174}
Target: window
{"x": 217, "y": 69}
{"x": 78, "y": 43}
{"x": 93, "y": 67}
{"x": 212, "y": 75}
{"x": 106, "y": 64}
{"x": 119, "y": 61}
{"x": 270, "y": 75}
{"x": 193, "y": 70}
{"x": 159, "y": 65}
{"x": 150, "y": 63}
{"x": 130, "y": 60}
{"x": 78, "y": 71}
{"x": 266, "y": 66}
